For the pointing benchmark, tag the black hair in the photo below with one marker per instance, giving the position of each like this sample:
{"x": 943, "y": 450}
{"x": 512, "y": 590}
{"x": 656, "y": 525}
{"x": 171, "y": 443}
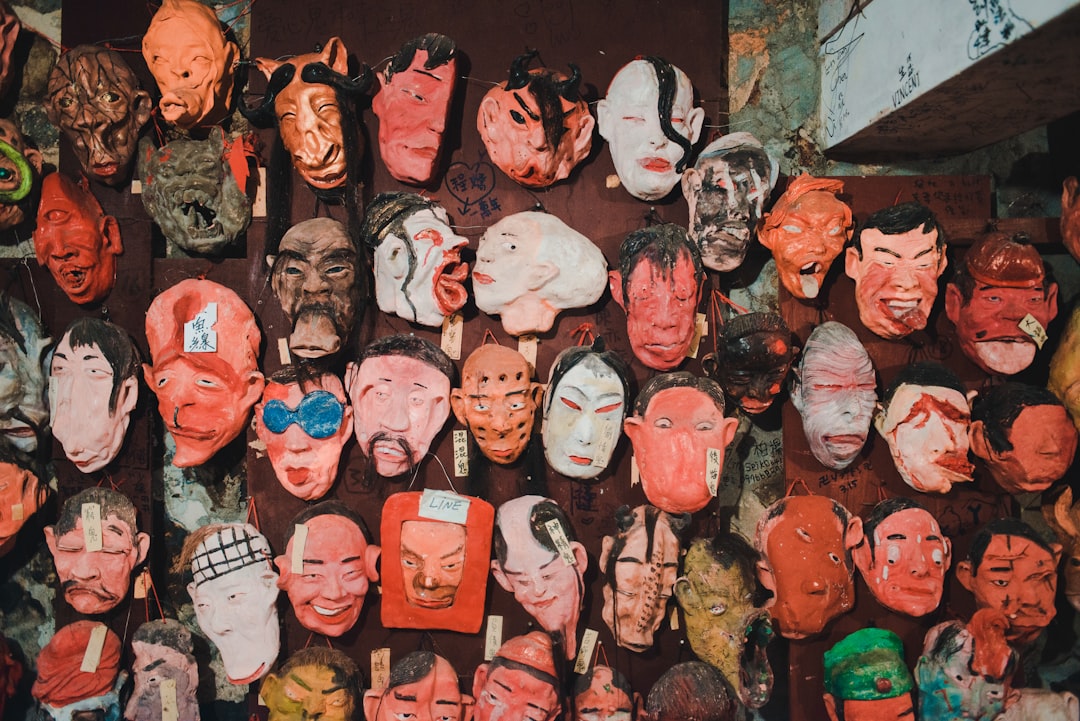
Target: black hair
{"x": 440, "y": 50}
{"x": 678, "y": 379}
{"x": 880, "y": 512}
{"x": 999, "y": 407}
{"x": 692, "y": 691}
{"x": 667, "y": 90}
{"x": 114, "y": 343}
{"x": 1002, "y": 527}
{"x": 347, "y": 674}
{"x": 662, "y": 245}
{"x": 574, "y": 355}
{"x": 411, "y": 668}
{"x": 624, "y": 521}
{"x": 411, "y": 346}
{"x": 165, "y": 632}
{"x": 544, "y": 511}
{"x": 618, "y": 680}
{"x": 898, "y": 219}
{"x": 923, "y": 373}
{"x": 549, "y": 90}
{"x": 111, "y": 503}
{"x": 326, "y": 508}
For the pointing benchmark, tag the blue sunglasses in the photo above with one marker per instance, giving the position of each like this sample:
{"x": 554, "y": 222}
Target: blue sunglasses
{"x": 319, "y": 415}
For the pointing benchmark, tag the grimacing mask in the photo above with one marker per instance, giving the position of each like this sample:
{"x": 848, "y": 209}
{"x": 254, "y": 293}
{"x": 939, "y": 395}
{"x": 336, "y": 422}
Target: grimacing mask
{"x": 192, "y": 61}
{"x": 20, "y": 170}
{"x": 95, "y": 100}
{"x": 162, "y": 651}
{"x": 75, "y": 240}
{"x": 314, "y": 683}
{"x": 191, "y": 193}
{"x": 754, "y": 352}
{"x": 93, "y": 388}
{"x": 422, "y": 686}
{"x": 24, "y": 410}
{"x": 497, "y": 401}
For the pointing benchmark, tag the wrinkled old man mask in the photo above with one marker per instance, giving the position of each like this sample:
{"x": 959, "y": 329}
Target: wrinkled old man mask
{"x": 422, "y": 687}
{"x": 76, "y": 240}
{"x": 753, "y": 357}
{"x": 20, "y": 171}
{"x": 162, "y": 653}
{"x": 24, "y": 411}
{"x": 314, "y": 683}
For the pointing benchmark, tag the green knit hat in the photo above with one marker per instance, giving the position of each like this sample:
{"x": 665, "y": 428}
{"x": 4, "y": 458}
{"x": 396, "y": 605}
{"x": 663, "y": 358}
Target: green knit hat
{"x": 866, "y": 666}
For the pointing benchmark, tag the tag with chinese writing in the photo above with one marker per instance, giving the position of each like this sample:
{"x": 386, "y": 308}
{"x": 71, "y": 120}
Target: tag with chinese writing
{"x": 443, "y": 506}
{"x": 588, "y": 645}
{"x": 199, "y": 333}
{"x": 527, "y": 347}
{"x": 258, "y": 206}
{"x": 492, "y": 637}
{"x": 701, "y": 329}
{"x": 380, "y": 668}
{"x": 562, "y": 543}
{"x": 461, "y": 454}
{"x": 169, "y": 711}
{"x": 299, "y": 540}
{"x": 92, "y": 657}
{"x": 1033, "y": 328}
{"x": 635, "y": 474}
{"x": 91, "y": 526}
{"x": 283, "y": 351}
{"x": 451, "y": 335}
{"x": 605, "y": 444}
{"x": 712, "y": 470}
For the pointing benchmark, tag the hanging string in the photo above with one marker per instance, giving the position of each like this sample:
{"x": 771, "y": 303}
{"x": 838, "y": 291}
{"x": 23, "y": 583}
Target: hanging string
{"x": 488, "y": 334}
{"x": 798, "y": 482}
{"x": 151, "y": 587}
{"x": 253, "y": 513}
{"x": 717, "y": 301}
{"x": 585, "y": 330}
{"x": 600, "y": 651}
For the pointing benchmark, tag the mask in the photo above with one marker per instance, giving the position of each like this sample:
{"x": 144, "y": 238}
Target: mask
{"x": 314, "y": 683}
{"x": 1070, "y": 215}
{"x": 1043, "y": 704}
{"x": 584, "y": 409}
{"x": 190, "y": 192}
{"x": 435, "y": 570}
{"x": 9, "y": 33}
{"x": 21, "y": 495}
{"x": 204, "y": 343}
{"x": 690, "y": 690}
{"x": 1015, "y": 575}
{"x": 535, "y": 126}
{"x": 835, "y": 392}
{"x": 520, "y": 682}
{"x": 805, "y": 542}
{"x": 304, "y": 426}
{"x": 192, "y": 61}
{"x": 725, "y": 191}
{"x": 338, "y": 566}
{"x": 163, "y": 652}
{"x": 400, "y": 390}
{"x": 867, "y": 679}
{"x": 96, "y": 581}
{"x": 418, "y": 268}
{"x": 76, "y": 240}
{"x": 64, "y": 689}
{"x": 422, "y": 687}
{"x": 94, "y": 98}
{"x": 1024, "y": 436}
{"x": 234, "y": 592}
{"x": 315, "y": 276}
{"x": 640, "y": 564}
{"x": 806, "y": 230}
{"x": 680, "y": 435}
{"x": 93, "y": 388}
{"x": 546, "y": 584}
{"x": 896, "y": 273}
{"x": 497, "y": 401}
{"x": 925, "y": 420}
{"x": 20, "y": 171}
{"x": 658, "y": 284}
{"x": 23, "y": 410}
{"x": 1000, "y": 282}
{"x": 650, "y": 145}
{"x": 530, "y": 266}
{"x": 412, "y": 105}
{"x": 904, "y": 557}
{"x": 606, "y": 697}
{"x": 1062, "y": 518}
{"x": 752, "y": 361}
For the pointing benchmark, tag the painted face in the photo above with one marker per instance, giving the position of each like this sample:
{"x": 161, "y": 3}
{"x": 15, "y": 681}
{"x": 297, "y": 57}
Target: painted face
{"x": 644, "y": 571}
{"x": 725, "y": 194}
{"x": 497, "y": 401}
{"x": 949, "y": 688}
{"x": 1044, "y": 444}
{"x": 412, "y": 106}
{"x": 304, "y": 433}
{"x": 895, "y": 280}
{"x": 645, "y": 158}
{"x": 20, "y": 168}
{"x": 435, "y": 697}
{"x": 314, "y": 276}
{"x": 76, "y": 240}
{"x": 926, "y": 428}
{"x": 603, "y": 700}
{"x": 583, "y": 417}
{"x": 755, "y": 367}
{"x": 511, "y": 694}
{"x": 97, "y": 581}
{"x": 23, "y": 408}
{"x": 806, "y": 239}
{"x": 338, "y": 566}
{"x": 419, "y": 277}
{"x": 87, "y": 421}
{"x": 432, "y": 562}
{"x": 401, "y": 403}
{"x": 94, "y": 97}
{"x": 906, "y": 568}
{"x": 68, "y": 693}
{"x": 192, "y": 62}
{"x": 1070, "y": 215}
{"x": 1017, "y": 577}
{"x": 309, "y": 692}
{"x": 901, "y": 708}
{"x": 153, "y": 665}
{"x": 660, "y": 309}
{"x": 673, "y": 442}
{"x": 20, "y": 498}
{"x": 988, "y": 325}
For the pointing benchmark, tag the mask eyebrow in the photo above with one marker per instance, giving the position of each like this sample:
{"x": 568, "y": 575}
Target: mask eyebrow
{"x": 525, "y": 107}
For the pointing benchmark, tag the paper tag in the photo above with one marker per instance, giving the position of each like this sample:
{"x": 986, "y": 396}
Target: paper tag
{"x": 674, "y": 620}
{"x": 451, "y": 335}
{"x": 283, "y": 351}
{"x": 701, "y": 328}
{"x": 713, "y": 464}
{"x": 169, "y": 711}
{"x": 258, "y": 206}
{"x": 492, "y": 637}
{"x": 91, "y": 526}
{"x": 136, "y": 186}
{"x": 1030, "y": 325}
{"x": 527, "y": 347}
{"x": 92, "y": 657}
{"x": 199, "y": 335}
{"x": 605, "y": 443}
{"x": 380, "y": 668}
{"x": 141, "y": 584}
{"x": 585, "y": 651}
{"x": 444, "y": 506}
{"x": 17, "y": 511}
{"x": 299, "y": 540}
{"x": 562, "y": 543}
{"x": 635, "y": 474}
{"x": 461, "y": 454}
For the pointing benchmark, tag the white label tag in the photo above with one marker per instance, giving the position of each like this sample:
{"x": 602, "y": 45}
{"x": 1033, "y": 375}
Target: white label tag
{"x": 527, "y": 347}
{"x": 674, "y": 621}
{"x": 199, "y": 333}
{"x": 562, "y": 543}
{"x": 444, "y": 506}
{"x": 701, "y": 328}
{"x": 91, "y": 526}
{"x": 492, "y": 637}
{"x": 299, "y": 540}
{"x": 136, "y": 186}
{"x": 141, "y": 584}
{"x": 169, "y": 711}
{"x": 635, "y": 474}
{"x": 605, "y": 444}
{"x": 258, "y": 206}
{"x": 451, "y": 335}
{"x": 283, "y": 351}
{"x": 1030, "y": 325}
{"x": 713, "y": 463}
{"x": 92, "y": 657}
{"x": 17, "y": 511}
{"x": 380, "y": 668}
{"x": 585, "y": 652}
{"x": 461, "y": 454}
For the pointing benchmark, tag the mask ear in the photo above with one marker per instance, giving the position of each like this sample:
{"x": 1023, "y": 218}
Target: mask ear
{"x": 336, "y": 56}
{"x": 851, "y": 263}
{"x": 489, "y": 118}
{"x": 954, "y": 299}
{"x": 691, "y": 184}
{"x": 830, "y": 705}
{"x": 862, "y": 557}
{"x": 603, "y": 119}
{"x": 268, "y": 66}
{"x": 468, "y": 707}
{"x": 457, "y": 405}
{"x": 110, "y": 236}
{"x": 977, "y": 438}
{"x": 615, "y": 285}
{"x": 687, "y": 597}
{"x": 585, "y": 131}
{"x": 352, "y": 371}
{"x": 964, "y": 576}
{"x": 853, "y": 534}
{"x": 481, "y": 673}
{"x": 372, "y": 700}
{"x": 284, "y": 570}
{"x": 504, "y": 582}
{"x": 581, "y": 557}
{"x": 371, "y": 559}
{"x": 142, "y": 545}
{"x": 141, "y": 107}
{"x": 605, "y": 551}
{"x": 128, "y": 396}
{"x": 694, "y": 120}
{"x": 632, "y": 428}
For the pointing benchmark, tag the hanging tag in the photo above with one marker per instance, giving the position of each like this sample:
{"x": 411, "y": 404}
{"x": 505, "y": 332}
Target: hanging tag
{"x": 199, "y": 335}
{"x": 258, "y": 206}
{"x": 380, "y": 668}
{"x": 713, "y": 464}
{"x": 91, "y": 526}
{"x": 701, "y": 328}
{"x": 527, "y": 347}
{"x": 585, "y": 652}
{"x": 17, "y": 511}
{"x": 283, "y": 351}
{"x": 635, "y": 475}
{"x": 461, "y": 454}
{"x": 562, "y": 543}
{"x": 142, "y": 584}
{"x": 136, "y": 186}
{"x": 492, "y": 637}
{"x": 299, "y": 540}
{"x": 169, "y": 711}
{"x": 674, "y": 620}
{"x": 451, "y": 335}
{"x": 444, "y": 506}
{"x": 1030, "y": 325}
{"x": 92, "y": 656}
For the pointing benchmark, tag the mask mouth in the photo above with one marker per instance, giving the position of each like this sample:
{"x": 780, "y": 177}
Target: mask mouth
{"x": 200, "y": 218}
{"x": 811, "y": 268}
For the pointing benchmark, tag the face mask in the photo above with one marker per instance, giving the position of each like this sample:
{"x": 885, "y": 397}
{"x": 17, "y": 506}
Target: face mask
{"x": 319, "y": 415}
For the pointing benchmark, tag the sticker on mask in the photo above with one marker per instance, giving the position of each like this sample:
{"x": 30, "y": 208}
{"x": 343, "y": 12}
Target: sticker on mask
{"x": 712, "y": 470}
{"x": 451, "y": 336}
{"x": 92, "y": 655}
{"x": 585, "y": 653}
{"x": 91, "y": 524}
{"x": 461, "y": 454}
{"x": 299, "y": 541}
{"x": 169, "y": 710}
{"x": 701, "y": 329}
{"x": 199, "y": 333}
{"x": 527, "y": 347}
{"x": 1030, "y": 325}
{"x": 380, "y": 667}
{"x": 562, "y": 543}
{"x": 443, "y": 506}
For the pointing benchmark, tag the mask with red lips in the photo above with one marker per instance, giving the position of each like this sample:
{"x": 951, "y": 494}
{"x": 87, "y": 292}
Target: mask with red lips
{"x": 753, "y": 356}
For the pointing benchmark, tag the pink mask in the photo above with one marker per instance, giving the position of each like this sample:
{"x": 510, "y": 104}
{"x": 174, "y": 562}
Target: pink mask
{"x": 608, "y": 697}
{"x": 21, "y": 495}
{"x": 162, "y": 652}
{"x": 520, "y": 682}
{"x": 417, "y": 694}
{"x": 1064, "y": 518}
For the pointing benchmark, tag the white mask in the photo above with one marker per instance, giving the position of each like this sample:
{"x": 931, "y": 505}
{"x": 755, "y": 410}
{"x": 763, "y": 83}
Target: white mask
{"x": 583, "y": 417}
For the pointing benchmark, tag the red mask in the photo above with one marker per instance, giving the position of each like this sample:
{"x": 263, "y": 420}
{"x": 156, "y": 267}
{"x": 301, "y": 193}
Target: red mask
{"x": 524, "y": 688}
{"x": 1043, "y": 441}
{"x": 436, "y": 696}
{"x": 21, "y": 495}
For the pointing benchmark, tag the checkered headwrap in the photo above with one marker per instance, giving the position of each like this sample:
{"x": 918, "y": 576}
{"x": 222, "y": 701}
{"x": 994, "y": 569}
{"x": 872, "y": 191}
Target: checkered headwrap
{"x": 234, "y": 546}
